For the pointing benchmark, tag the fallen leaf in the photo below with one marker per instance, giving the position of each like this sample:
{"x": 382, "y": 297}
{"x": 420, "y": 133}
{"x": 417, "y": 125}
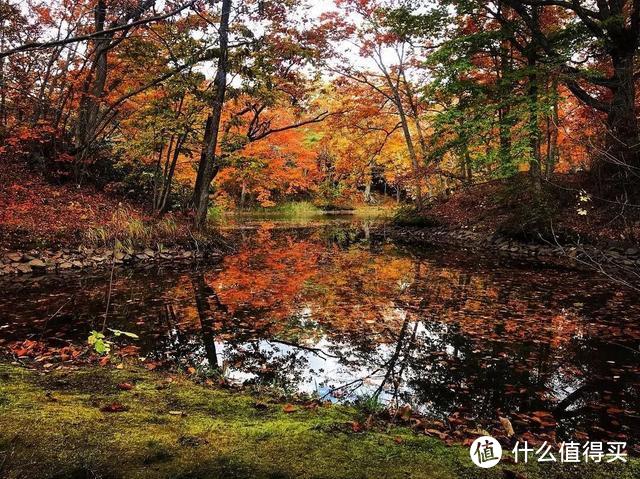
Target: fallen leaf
{"x": 289, "y": 408}
{"x": 506, "y": 425}
{"x": 114, "y": 407}
{"x": 356, "y": 426}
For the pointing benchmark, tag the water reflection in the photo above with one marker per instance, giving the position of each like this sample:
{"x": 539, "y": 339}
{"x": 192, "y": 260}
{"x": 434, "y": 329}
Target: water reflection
{"x": 327, "y": 311}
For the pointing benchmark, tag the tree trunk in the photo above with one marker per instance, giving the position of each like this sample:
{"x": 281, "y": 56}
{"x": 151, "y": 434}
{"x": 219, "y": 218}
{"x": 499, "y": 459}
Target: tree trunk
{"x": 397, "y": 101}
{"x": 208, "y": 165}
{"x": 552, "y": 131}
{"x": 504, "y": 122}
{"x": 367, "y": 192}
{"x": 243, "y": 193}
{"x": 622, "y": 139}
{"x": 93, "y": 87}
{"x": 534, "y": 125}
{"x": 410, "y": 147}
{"x": 168, "y": 177}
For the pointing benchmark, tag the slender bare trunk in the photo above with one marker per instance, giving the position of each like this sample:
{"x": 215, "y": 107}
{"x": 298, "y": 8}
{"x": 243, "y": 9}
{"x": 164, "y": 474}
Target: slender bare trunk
{"x": 208, "y": 165}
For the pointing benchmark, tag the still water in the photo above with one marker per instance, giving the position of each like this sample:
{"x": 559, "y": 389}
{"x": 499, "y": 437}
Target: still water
{"x": 324, "y": 309}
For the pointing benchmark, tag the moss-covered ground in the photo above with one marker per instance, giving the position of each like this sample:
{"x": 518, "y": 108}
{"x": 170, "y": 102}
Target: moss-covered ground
{"x": 54, "y": 426}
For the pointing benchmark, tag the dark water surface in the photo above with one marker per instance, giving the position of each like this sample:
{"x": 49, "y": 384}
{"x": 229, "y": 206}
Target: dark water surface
{"x": 322, "y": 309}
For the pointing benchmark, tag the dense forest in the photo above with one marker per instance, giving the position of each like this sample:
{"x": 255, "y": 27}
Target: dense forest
{"x": 319, "y": 239}
{"x": 178, "y": 106}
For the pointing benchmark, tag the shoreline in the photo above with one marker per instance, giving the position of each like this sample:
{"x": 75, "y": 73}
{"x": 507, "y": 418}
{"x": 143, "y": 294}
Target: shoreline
{"x": 615, "y": 260}
{"x": 84, "y": 258}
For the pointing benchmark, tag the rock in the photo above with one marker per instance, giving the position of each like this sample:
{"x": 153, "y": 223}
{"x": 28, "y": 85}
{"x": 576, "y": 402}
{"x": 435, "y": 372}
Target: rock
{"x": 14, "y": 257}
{"x": 23, "y": 268}
{"x": 37, "y": 263}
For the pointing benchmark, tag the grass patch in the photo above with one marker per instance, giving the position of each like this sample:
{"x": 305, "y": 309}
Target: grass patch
{"x": 132, "y": 230}
{"x": 288, "y": 210}
{"x": 52, "y": 426}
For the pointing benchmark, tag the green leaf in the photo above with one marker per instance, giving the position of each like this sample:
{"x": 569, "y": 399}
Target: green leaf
{"x": 94, "y": 336}
{"x": 100, "y": 346}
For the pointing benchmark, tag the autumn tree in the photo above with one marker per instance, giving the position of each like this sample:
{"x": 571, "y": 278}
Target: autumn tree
{"x": 272, "y": 71}
{"x": 604, "y": 73}
{"x": 390, "y": 58}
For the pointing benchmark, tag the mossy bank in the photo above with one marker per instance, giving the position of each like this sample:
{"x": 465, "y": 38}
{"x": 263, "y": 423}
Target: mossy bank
{"x": 122, "y": 423}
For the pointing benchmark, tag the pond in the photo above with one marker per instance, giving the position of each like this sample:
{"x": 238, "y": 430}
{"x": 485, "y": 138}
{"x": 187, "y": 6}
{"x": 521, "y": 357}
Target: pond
{"x": 323, "y": 308}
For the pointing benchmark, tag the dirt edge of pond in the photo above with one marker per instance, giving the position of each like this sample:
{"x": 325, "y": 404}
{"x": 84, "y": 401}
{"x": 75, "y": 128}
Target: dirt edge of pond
{"x": 129, "y": 422}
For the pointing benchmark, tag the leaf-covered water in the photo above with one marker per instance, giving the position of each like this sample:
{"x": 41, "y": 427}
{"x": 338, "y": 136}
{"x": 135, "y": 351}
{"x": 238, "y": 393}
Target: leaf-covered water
{"x": 325, "y": 310}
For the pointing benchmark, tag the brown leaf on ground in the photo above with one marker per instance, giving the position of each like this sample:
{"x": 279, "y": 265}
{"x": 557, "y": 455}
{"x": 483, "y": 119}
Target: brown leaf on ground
{"x": 114, "y": 407}
{"x": 506, "y": 425}
{"x": 289, "y": 408}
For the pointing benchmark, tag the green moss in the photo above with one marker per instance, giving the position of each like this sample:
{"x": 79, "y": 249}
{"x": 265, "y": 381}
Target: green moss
{"x": 51, "y": 425}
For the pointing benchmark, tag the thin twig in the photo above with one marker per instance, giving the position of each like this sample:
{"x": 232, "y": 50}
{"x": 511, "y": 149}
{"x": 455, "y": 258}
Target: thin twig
{"x": 106, "y": 312}
{"x": 53, "y": 316}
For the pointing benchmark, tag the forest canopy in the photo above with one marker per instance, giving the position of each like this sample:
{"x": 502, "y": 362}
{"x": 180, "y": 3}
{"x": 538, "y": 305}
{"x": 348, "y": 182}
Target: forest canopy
{"x": 180, "y": 105}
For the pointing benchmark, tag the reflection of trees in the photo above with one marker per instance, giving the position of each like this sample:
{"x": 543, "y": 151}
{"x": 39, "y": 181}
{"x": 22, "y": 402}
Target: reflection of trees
{"x": 435, "y": 332}
{"x": 203, "y": 294}
{"x": 599, "y": 396}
